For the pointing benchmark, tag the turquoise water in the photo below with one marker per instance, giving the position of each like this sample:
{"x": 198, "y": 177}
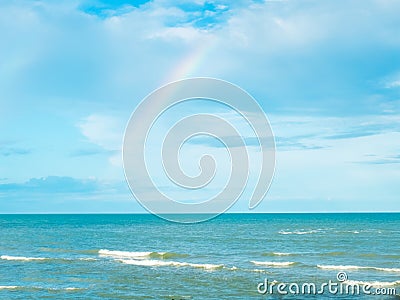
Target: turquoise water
{"x": 144, "y": 257}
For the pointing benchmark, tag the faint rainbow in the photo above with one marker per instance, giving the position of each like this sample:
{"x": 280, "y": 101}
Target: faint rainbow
{"x": 188, "y": 65}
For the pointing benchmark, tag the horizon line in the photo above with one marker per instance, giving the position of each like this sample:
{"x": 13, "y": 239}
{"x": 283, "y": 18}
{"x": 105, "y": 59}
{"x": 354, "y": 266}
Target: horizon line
{"x": 228, "y": 213}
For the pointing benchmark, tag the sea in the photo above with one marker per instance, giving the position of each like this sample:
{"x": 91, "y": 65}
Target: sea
{"x": 233, "y": 256}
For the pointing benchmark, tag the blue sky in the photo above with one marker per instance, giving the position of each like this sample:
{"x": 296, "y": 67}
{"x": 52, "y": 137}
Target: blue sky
{"x": 327, "y": 74}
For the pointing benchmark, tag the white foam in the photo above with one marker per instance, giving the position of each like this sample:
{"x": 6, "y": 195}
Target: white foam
{"x": 273, "y": 263}
{"x": 281, "y": 253}
{"x": 388, "y": 269}
{"x": 57, "y": 288}
{"x": 179, "y": 297}
{"x": 298, "y": 232}
{"x": 259, "y": 270}
{"x": 334, "y": 267}
{"x": 285, "y": 232}
{"x": 160, "y": 263}
{"x": 373, "y": 283}
{"x": 130, "y": 254}
{"x": 11, "y": 287}
{"x": 350, "y": 231}
{"x": 21, "y": 258}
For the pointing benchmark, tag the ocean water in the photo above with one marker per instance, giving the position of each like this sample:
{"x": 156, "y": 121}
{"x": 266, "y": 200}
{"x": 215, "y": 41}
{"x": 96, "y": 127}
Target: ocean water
{"x": 230, "y": 257}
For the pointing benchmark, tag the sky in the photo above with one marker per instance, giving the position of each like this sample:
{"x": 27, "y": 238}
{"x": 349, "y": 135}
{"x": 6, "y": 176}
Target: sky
{"x": 326, "y": 73}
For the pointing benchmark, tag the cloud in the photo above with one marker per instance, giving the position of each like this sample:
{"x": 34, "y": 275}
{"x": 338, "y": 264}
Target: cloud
{"x": 90, "y": 151}
{"x": 200, "y": 14}
{"x": 376, "y": 125}
{"x": 282, "y": 144}
{"x": 52, "y": 184}
{"x": 317, "y": 129}
{"x": 62, "y": 185}
{"x": 12, "y": 148}
{"x": 11, "y": 151}
{"x": 102, "y": 130}
{"x": 391, "y": 81}
{"x": 316, "y": 55}
{"x": 379, "y": 160}
{"x": 321, "y": 55}
{"x": 393, "y": 84}
{"x": 289, "y": 144}
{"x": 105, "y": 132}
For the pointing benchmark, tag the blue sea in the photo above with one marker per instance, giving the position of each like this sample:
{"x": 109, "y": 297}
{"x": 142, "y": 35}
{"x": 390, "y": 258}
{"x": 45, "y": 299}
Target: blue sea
{"x": 234, "y": 256}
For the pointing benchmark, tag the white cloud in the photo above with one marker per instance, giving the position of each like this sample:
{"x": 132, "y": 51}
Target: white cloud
{"x": 106, "y": 132}
{"x": 393, "y": 84}
{"x": 188, "y": 34}
{"x": 102, "y": 130}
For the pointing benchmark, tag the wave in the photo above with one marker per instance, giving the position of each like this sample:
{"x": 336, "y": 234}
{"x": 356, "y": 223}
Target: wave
{"x": 277, "y": 254}
{"x": 334, "y": 267}
{"x": 350, "y": 231}
{"x": 373, "y": 283}
{"x": 298, "y": 232}
{"x": 136, "y": 255}
{"x": 13, "y": 287}
{"x": 396, "y": 270}
{"x": 22, "y": 258}
{"x": 8, "y": 287}
{"x": 258, "y": 270}
{"x": 160, "y": 263}
{"x": 156, "y": 259}
{"x": 66, "y": 289}
{"x": 369, "y": 255}
{"x": 392, "y": 256}
{"x": 370, "y": 231}
{"x": 273, "y": 263}
{"x": 139, "y": 255}
{"x": 26, "y": 259}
